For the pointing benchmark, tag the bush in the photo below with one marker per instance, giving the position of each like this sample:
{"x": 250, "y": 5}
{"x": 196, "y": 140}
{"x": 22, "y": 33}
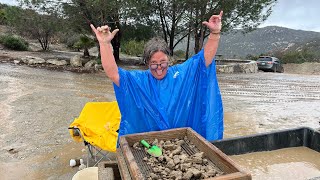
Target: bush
{"x": 99, "y": 61}
{"x": 298, "y": 57}
{"x": 71, "y": 41}
{"x": 84, "y": 42}
{"x": 179, "y": 54}
{"x": 133, "y": 47}
{"x": 14, "y": 42}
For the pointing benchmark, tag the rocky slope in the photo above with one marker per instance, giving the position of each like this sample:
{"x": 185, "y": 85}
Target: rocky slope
{"x": 263, "y": 40}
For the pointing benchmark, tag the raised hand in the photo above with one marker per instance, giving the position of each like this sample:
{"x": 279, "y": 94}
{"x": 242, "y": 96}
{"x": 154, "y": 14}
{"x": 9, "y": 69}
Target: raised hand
{"x": 103, "y": 33}
{"x": 214, "y": 23}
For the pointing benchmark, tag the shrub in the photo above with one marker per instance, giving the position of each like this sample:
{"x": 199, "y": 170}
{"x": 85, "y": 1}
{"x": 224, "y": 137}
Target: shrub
{"x": 133, "y": 47}
{"x": 71, "y": 41}
{"x": 179, "y": 54}
{"x": 298, "y": 57}
{"x": 84, "y": 42}
{"x": 14, "y": 42}
{"x": 98, "y": 59}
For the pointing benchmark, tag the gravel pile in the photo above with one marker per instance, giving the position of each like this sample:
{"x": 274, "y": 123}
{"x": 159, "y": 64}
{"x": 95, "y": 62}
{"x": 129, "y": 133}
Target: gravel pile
{"x": 176, "y": 163}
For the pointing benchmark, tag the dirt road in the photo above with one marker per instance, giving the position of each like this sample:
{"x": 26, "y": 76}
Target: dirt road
{"x": 37, "y": 106}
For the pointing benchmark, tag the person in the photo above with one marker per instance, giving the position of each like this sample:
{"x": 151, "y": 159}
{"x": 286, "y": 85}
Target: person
{"x": 163, "y": 97}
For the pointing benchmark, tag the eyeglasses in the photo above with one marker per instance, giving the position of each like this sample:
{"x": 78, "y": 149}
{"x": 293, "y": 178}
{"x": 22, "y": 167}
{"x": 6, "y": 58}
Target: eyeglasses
{"x": 162, "y": 65}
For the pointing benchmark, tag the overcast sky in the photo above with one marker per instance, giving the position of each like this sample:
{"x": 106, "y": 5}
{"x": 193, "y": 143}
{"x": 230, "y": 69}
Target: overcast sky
{"x": 294, "y": 14}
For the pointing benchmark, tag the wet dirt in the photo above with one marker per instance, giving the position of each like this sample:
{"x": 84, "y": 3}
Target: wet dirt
{"x": 297, "y": 163}
{"x": 264, "y": 102}
{"x": 37, "y": 106}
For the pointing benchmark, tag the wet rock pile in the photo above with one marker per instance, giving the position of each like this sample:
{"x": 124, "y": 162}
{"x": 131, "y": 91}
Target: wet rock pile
{"x": 176, "y": 163}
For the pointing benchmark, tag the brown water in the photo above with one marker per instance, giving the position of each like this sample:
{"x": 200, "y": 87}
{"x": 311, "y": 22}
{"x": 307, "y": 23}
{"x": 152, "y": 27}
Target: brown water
{"x": 297, "y": 163}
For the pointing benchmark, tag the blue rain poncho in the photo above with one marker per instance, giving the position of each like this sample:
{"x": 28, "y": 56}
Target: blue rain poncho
{"x": 188, "y": 96}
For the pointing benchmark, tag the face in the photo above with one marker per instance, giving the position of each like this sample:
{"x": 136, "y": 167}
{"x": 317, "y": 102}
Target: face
{"x": 158, "y": 65}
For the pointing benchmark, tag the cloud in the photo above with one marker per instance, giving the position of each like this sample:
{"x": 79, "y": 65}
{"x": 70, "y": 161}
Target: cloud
{"x": 295, "y": 14}
{"x": 9, "y": 2}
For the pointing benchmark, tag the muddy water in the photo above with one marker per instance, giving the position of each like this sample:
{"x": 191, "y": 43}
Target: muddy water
{"x": 37, "y": 106}
{"x": 297, "y": 163}
{"x": 264, "y": 102}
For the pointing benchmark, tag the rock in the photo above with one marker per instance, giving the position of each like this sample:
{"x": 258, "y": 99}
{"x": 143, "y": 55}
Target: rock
{"x": 196, "y": 173}
{"x": 175, "y": 174}
{"x": 137, "y": 145}
{"x": 185, "y": 166}
{"x": 75, "y": 61}
{"x": 153, "y": 176}
{"x": 187, "y": 175}
{"x": 176, "y": 160}
{"x": 161, "y": 158}
{"x": 168, "y": 145}
{"x": 156, "y": 170}
{"x": 155, "y": 142}
{"x": 177, "y": 151}
{"x": 98, "y": 67}
{"x": 197, "y": 158}
{"x": 30, "y": 60}
{"x": 90, "y": 64}
{"x": 16, "y": 61}
{"x": 170, "y": 164}
{"x": 57, "y": 62}
{"x": 236, "y": 66}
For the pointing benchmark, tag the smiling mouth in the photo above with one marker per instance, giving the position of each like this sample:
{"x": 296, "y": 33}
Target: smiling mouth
{"x": 159, "y": 72}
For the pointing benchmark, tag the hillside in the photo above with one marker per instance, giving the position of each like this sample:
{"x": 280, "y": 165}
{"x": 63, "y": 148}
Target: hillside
{"x": 264, "y": 40}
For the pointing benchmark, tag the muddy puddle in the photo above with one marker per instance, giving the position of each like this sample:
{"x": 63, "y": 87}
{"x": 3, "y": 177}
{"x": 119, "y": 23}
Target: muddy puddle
{"x": 299, "y": 163}
{"x": 37, "y": 106}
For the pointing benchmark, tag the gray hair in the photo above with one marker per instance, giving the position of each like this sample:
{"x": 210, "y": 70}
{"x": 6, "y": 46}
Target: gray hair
{"x": 154, "y": 45}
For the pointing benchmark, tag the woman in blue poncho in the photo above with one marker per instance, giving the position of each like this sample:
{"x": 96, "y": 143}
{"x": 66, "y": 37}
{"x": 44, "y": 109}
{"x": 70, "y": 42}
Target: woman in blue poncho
{"x": 163, "y": 97}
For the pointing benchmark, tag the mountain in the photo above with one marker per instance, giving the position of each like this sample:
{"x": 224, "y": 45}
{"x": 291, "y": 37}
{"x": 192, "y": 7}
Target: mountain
{"x": 264, "y": 40}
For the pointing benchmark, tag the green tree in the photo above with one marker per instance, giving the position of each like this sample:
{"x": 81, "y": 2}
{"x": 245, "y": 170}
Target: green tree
{"x": 84, "y": 43}
{"x": 3, "y": 17}
{"x": 181, "y": 18}
{"x": 168, "y": 16}
{"x": 244, "y": 14}
{"x": 30, "y": 23}
{"x": 137, "y": 32}
{"x": 81, "y": 13}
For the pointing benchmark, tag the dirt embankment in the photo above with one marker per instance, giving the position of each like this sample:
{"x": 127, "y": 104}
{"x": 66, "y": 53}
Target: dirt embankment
{"x": 304, "y": 68}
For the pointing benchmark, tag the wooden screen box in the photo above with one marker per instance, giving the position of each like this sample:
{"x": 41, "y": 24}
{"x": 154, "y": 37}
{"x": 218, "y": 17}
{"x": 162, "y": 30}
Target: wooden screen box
{"x": 135, "y": 160}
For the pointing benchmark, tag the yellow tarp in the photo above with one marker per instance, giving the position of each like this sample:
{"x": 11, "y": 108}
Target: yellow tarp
{"x": 98, "y": 123}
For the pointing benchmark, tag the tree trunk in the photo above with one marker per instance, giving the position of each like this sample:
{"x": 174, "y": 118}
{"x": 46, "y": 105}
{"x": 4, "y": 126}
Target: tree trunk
{"x": 116, "y": 49}
{"x": 86, "y": 52}
{"x": 196, "y": 43}
{"x": 116, "y": 40}
{"x": 162, "y": 21}
{"x": 189, "y": 36}
{"x": 173, "y": 27}
{"x": 188, "y": 41}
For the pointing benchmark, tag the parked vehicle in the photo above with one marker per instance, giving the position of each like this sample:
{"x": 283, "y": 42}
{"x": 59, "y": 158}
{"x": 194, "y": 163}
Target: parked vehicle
{"x": 268, "y": 63}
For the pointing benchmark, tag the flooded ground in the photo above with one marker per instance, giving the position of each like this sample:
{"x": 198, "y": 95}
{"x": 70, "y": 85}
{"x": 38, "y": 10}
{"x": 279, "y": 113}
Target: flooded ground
{"x": 37, "y": 106}
{"x": 297, "y": 163}
{"x": 264, "y": 102}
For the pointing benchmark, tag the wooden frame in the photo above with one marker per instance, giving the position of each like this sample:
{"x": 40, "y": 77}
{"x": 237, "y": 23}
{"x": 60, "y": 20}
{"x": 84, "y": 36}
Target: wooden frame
{"x": 221, "y": 160}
